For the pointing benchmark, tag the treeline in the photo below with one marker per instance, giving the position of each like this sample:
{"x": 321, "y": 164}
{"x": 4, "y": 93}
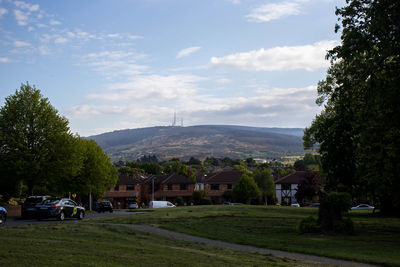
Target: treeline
{"x": 39, "y": 154}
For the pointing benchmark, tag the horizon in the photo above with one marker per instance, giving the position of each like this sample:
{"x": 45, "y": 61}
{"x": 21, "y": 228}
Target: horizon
{"x": 135, "y": 63}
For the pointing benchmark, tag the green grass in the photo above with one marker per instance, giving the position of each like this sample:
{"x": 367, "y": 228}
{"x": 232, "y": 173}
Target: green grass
{"x": 85, "y": 244}
{"x": 377, "y": 239}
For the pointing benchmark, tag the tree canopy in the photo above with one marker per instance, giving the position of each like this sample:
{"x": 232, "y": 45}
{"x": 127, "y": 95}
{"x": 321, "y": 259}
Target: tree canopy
{"x": 358, "y": 130}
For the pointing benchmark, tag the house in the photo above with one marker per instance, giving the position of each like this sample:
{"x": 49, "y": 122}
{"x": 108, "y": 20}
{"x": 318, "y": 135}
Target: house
{"x": 168, "y": 187}
{"x": 126, "y": 191}
{"x": 286, "y": 187}
{"x": 218, "y": 186}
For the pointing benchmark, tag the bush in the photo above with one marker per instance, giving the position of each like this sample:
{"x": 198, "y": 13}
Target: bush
{"x": 179, "y": 201}
{"x": 308, "y": 225}
{"x": 205, "y": 201}
{"x": 344, "y": 226}
{"x": 198, "y": 196}
{"x": 330, "y": 215}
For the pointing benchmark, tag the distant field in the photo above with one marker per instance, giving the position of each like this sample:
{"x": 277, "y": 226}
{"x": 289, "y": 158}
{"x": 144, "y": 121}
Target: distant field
{"x": 83, "y": 244}
{"x": 377, "y": 240}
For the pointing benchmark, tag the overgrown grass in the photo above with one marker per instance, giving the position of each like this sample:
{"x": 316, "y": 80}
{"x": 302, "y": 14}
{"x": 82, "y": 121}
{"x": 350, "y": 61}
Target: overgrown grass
{"x": 83, "y": 244}
{"x": 377, "y": 239}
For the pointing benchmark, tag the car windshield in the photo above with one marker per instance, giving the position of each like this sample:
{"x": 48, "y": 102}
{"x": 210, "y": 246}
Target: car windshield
{"x": 51, "y": 201}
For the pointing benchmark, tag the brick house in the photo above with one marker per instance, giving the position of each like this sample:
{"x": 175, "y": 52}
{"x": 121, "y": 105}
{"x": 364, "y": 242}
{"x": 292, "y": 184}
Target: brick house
{"x": 169, "y": 188}
{"x": 286, "y": 187}
{"x": 218, "y": 186}
{"x": 126, "y": 191}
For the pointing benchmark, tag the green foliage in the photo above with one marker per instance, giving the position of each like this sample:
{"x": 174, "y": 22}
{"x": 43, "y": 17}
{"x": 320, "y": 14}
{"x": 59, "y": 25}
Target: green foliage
{"x": 308, "y": 225}
{"x": 265, "y": 182}
{"x": 175, "y": 167}
{"x": 242, "y": 167}
{"x": 194, "y": 161}
{"x": 308, "y": 188}
{"x": 35, "y": 143}
{"x": 245, "y": 189}
{"x": 358, "y": 130}
{"x": 179, "y": 201}
{"x": 198, "y": 196}
{"x": 333, "y": 207}
{"x": 205, "y": 201}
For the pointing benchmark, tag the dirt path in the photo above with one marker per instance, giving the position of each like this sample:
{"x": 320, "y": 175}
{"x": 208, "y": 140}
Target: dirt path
{"x": 278, "y": 253}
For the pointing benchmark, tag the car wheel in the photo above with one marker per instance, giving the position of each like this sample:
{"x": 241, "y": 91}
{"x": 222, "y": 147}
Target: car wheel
{"x": 81, "y": 215}
{"x": 2, "y": 219}
{"x": 61, "y": 217}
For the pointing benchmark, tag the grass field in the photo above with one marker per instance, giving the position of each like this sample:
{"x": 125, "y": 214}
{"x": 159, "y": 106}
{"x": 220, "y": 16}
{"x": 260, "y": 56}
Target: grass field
{"x": 377, "y": 239}
{"x": 85, "y": 244}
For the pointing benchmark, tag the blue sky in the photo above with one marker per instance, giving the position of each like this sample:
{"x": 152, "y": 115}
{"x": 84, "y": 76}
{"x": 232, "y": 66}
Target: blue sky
{"x": 109, "y": 65}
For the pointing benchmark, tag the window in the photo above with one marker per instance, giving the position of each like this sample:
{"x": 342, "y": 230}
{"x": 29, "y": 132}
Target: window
{"x": 184, "y": 186}
{"x": 116, "y": 188}
{"x": 229, "y": 186}
{"x": 130, "y": 188}
{"x": 215, "y": 187}
{"x": 169, "y": 187}
{"x": 285, "y": 186}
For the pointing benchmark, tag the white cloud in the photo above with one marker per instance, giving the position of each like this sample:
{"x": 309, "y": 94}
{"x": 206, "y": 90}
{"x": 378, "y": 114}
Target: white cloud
{"x": 26, "y": 6}
{"x": 3, "y": 11}
{"x": 5, "y": 60}
{"x": 153, "y": 88}
{"x": 272, "y": 11}
{"x": 187, "y": 51}
{"x": 307, "y": 57}
{"x": 223, "y": 81}
{"x": 21, "y": 44}
{"x": 60, "y": 40}
{"x": 21, "y": 17}
{"x": 54, "y": 22}
{"x": 134, "y": 37}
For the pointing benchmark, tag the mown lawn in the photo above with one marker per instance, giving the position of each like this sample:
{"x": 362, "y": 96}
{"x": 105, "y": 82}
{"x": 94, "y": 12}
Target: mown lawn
{"x": 85, "y": 244}
{"x": 377, "y": 239}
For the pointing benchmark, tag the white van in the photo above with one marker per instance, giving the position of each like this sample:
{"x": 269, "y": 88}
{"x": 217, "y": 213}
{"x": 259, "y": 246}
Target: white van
{"x": 160, "y": 204}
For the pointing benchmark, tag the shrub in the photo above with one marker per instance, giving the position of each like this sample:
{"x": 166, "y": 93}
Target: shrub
{"x": 205, "y": 201}
{"x": 179, "y": 200}
{"x": 308, "y": 225}
{"x": 333, "y": 206}
{"x": 198, "y": 196}
{"x": 346, "y": 225}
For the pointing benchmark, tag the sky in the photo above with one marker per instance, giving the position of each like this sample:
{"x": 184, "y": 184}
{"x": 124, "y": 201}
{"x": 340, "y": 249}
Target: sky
{"x": 109, "y": 65}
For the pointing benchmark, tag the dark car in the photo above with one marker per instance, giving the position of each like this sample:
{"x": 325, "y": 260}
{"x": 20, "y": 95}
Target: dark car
{"x": 103, "y": 206}
{"x": 314, "y": 205}
{"x": 28, "y": 209}
{"x": 3, "y": 216}
{"x": 59, "y": 208}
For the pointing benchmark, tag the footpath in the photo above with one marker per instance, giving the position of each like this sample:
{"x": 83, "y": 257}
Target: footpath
{"x": 278, "y": 253}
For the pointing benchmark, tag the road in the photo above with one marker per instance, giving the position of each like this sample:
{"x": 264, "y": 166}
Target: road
{"x": 14, "y": 222}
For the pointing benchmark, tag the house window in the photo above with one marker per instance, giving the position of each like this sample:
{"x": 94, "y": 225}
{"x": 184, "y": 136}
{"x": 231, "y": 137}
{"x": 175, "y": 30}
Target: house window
{"x": 130, "y": 188}
{"x": 229, "y": 186}
{"x": 184, "y": 186}
{"x": 116, "y": 188}
{"x": 215, "y": 187}
{"x": 170, "y": 187}
{"x": 285, "y": 186}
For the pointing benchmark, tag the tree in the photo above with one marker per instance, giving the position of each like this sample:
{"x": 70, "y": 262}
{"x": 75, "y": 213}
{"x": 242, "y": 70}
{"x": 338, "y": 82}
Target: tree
{"x": 97, "y": 173}
{"x": 245, "y": 189}
{"x": 36, "y": 145}
{"x": 358, "y": 130}
{"x": 265, "y": 182}
{"x": 308, "y": 188}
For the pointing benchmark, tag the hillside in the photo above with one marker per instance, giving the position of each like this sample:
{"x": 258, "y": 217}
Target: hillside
{"x": 201, "y": 142}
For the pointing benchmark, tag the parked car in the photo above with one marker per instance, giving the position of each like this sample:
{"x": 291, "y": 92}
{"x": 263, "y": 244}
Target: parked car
{"x": 59, "y": 208}
{"x": 236, "y": 204}
{"x": 161, "y": 204}
{"x": 133, "y": 205}
{"x": 363, "y": 207}
{"x": 297, "y": 205}
{"x": 3, "y": 216}
{"x": 226, "y": 203}
{"x": 28, "y": 209}
{"x": 314, "y": 205}
{"x": 103, "y": 206}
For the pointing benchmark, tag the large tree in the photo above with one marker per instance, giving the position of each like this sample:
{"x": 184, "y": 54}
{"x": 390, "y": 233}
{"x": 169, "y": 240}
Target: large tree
{"x": 245, "y": 189}
{"x": 358, "y": 132}
{"x": 265, "y": 182}
{"x": 35, "y": 142}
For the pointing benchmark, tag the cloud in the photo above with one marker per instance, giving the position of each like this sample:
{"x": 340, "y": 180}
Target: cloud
{"x": 3, "y": 11}
{"x": 153, "y": 88}
{"x": 61, "y": 40}
{"x": 5, "y": 60}
{"x": 26, "y": 6}
{"x": 274, "y": 11}
{"x": 187, "y": 51}
{"x": 223, "y": 81}
{"x": 54, "y": 22}
{"x": 307, "y": 57}
{"x": 21, "y": 17}
{"x": 21, "y": 44}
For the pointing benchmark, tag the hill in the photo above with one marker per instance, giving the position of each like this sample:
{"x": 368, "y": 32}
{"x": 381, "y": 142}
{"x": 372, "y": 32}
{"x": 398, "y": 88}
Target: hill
{"x": 201, "y": 142}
